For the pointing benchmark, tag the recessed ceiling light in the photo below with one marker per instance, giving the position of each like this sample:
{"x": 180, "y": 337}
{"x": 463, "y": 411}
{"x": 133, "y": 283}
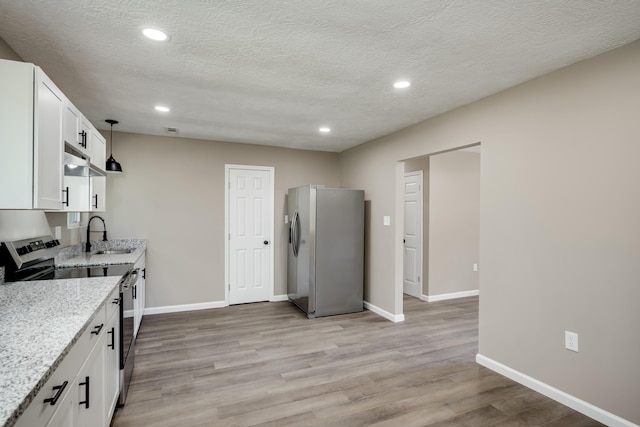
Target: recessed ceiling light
{"x": 401, "y": 85}
{"x": 154, "y": 34}
{"x": 325, "y": 129}
{"x": 162, "y": 109}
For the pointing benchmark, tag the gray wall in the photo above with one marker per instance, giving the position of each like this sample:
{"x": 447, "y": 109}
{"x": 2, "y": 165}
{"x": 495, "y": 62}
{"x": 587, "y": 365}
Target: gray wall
{"x": 454, "y": 222}
{"x": 172, "y": 194}
{"x": 559, "y": 235}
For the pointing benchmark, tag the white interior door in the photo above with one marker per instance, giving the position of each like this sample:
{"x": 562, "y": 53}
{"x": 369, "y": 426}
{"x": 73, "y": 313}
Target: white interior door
{"x": 250, "y": 224}
{"x": 412, "y": 260}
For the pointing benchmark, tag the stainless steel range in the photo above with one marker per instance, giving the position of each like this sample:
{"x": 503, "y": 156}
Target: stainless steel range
{"x": 33, "y": 259}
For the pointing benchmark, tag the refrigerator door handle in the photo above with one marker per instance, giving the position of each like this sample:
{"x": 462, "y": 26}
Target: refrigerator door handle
{"x": 295, "y": 235}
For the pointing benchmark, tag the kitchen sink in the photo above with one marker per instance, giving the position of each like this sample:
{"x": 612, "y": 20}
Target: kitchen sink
{"x": 115, "y": 252}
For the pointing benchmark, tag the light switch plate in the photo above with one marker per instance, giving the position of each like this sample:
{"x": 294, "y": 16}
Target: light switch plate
{"x": 386, "y": 220}
{"x": 286, "y": 219}
{"x": 57, "y": 232}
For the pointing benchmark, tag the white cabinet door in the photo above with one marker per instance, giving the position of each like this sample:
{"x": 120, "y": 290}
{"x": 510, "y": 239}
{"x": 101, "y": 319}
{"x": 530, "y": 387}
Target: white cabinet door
{"x": 72, "y": 126}
{"x": 90, "y": 388}
{"x": 139, "y": 295}
{"x": 98, "y": 149}
{"x": 47, "y": 144}
{"x": 85, "y": 134}
{"x": 112, "y": 365}
{"x": 76, "y": 193}
{"x": 98, "y": 193}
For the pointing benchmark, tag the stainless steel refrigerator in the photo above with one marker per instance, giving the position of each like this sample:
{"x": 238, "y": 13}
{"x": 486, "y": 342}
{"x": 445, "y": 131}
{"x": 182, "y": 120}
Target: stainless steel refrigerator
{"x": 326, "y": 250}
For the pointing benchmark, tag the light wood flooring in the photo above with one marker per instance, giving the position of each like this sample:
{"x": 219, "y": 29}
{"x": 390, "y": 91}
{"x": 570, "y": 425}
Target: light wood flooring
{"x": 267, "y": 364}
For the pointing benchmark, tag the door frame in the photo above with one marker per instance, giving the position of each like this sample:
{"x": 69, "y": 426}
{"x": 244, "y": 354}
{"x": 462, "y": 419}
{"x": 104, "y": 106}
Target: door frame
{"x": 227, "y": 195}
{"x": 420, "y": 267}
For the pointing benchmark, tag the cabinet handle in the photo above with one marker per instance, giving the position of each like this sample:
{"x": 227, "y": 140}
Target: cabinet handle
{"x": 96, "y": 203}
{"x": 83, "y": 139}
{"x": 53, "y": 400}
{"x": 135, "y": 293}
{"x": 66, "y": 197}
{"x": 97, "y": 329}
{"x": 144, "y": 273}
{"x": 116, "y": 301}
{"x": 112, "y": 346}
{"x": 85, "y": 402}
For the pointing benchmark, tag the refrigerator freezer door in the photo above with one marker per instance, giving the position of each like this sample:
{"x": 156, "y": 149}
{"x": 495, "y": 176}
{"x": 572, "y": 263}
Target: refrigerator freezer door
{"x": 339, "y": 251}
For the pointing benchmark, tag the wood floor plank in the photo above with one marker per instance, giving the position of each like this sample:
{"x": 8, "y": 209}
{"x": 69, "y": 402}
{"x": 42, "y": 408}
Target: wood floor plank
{"x": 267, "y": 364}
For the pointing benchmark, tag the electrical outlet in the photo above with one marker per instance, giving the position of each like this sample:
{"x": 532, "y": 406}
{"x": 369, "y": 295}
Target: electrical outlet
{"x": 475, "y": 267}
{"x": 571, "y": 341}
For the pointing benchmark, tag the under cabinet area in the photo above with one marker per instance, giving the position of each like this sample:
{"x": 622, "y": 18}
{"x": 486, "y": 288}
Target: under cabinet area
{"x": 83, "y": 389}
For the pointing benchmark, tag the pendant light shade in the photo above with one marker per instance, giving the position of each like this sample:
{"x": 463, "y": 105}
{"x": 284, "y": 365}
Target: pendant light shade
{"x": 112, "y": 165}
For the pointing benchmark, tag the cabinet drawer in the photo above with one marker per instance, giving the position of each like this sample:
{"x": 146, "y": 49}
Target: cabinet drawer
{"x": 92, "y": 334}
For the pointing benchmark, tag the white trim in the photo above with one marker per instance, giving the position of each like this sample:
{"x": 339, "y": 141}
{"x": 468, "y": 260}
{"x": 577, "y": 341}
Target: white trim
{"x": 271, "y": 170}
{"x": 277, "y": 298}
{"x": 560, "y": 396}
{"x": 184, "y": 307}
{"x": 384, "y": 313}
{"x": 453, "y": 295}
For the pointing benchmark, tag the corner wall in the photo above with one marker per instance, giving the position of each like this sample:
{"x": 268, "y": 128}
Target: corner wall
{"x": 559, "y": 235}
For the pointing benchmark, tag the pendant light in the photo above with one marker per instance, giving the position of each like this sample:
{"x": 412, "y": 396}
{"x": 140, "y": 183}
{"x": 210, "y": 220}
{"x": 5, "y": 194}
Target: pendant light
{"x": 112, "y": 165}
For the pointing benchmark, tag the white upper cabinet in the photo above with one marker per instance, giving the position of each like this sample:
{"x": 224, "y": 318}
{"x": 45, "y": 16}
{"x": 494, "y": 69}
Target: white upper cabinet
{"x": 98, "y": 149}
{"x": 31, "y": 144}
{"x": 72, "y": 131}
{"x": 98, "y": 193}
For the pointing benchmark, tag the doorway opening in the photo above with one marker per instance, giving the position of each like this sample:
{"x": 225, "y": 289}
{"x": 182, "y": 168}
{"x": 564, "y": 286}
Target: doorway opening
{"x": 450, "y": 225}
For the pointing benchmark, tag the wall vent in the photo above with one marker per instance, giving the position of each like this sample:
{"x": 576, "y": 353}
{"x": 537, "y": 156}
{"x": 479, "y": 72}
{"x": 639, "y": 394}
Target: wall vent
{"x": 172, "y": 131}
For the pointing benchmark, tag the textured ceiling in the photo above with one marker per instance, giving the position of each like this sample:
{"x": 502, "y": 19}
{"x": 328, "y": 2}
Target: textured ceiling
{"x": 271, "y": 72}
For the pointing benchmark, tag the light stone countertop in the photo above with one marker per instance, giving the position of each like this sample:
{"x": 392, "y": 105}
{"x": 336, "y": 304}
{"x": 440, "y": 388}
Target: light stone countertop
{"x": 41, "y": 320}
{"x": 74, "y": 257}
{"x": 39, "y": 323}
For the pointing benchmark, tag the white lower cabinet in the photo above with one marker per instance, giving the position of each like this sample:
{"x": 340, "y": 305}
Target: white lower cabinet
{"x": 83, "y": 390}
{"x": 89, "y": 386}
{"x": 112, "y": 361}
{"x": 139, "y": 294}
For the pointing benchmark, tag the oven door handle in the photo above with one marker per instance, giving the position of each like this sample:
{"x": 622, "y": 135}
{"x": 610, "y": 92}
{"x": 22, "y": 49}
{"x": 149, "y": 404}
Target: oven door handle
{"x": 132, "y": 279}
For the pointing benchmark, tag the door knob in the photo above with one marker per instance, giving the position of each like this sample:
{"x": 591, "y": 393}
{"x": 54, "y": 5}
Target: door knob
{"x": 266, "y": 242}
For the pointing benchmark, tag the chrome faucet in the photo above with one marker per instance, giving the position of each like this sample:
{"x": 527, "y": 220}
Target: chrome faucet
{"x": 87, "y": 247}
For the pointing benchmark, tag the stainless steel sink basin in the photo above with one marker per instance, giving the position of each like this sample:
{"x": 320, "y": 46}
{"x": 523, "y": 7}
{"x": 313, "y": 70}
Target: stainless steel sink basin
{"x": 115, "y": 252}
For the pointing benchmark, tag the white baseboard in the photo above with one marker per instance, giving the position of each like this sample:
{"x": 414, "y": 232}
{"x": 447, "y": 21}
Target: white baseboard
{"x": 184, "y": 307}
{"x": 566, "y": 399}
{"x": 453, "y": 295}
{"x": 277, "y": 298}
{"x": 380, "y": 312}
